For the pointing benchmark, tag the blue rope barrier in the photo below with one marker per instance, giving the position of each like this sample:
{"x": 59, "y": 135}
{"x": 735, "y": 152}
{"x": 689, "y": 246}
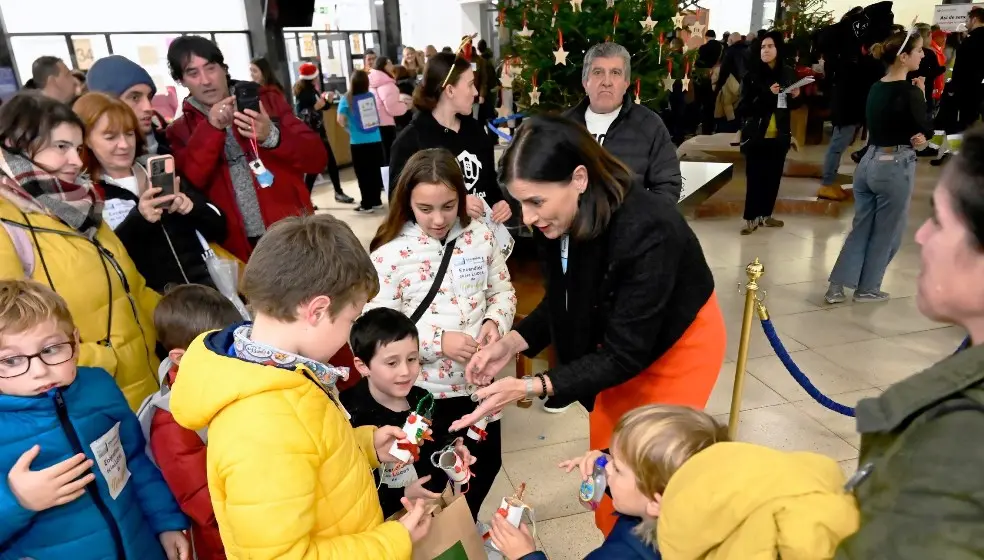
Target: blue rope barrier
{"x": 500, "y": 133}
{"x": 494, "y": 125}
{"x": 798, "y": 375}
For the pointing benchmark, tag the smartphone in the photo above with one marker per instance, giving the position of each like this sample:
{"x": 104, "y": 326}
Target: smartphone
{"x": 161, "y": 171}
{"x": 247, "y": 96}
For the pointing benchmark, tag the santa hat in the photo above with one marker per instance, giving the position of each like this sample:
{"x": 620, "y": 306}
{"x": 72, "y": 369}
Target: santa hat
{"x": 308, "y": 71}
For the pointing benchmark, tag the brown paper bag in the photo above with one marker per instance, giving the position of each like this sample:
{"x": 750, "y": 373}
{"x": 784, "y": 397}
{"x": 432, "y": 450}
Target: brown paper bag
{"x": 452, "y": 534}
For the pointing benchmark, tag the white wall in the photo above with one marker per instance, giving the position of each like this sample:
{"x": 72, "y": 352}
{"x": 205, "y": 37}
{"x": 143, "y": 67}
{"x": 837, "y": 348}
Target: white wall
{"x": 729, "y": 15}
{"x": 52, "y": 16}
{"x": 441, "y": 23}
{"x": 349, "y": 15}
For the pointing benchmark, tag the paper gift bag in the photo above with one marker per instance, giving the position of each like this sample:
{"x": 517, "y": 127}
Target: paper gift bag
{"x": 452, "y": 534}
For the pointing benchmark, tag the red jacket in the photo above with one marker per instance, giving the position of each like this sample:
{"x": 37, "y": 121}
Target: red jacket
{"x": 199, "y": 153}
{"x": 940, "y": 81}
{"x": 180, "y": 454}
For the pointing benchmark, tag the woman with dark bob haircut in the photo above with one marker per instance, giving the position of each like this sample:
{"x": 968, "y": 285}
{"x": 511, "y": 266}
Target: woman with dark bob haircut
{"x": 919, "y": 484}
{"x": 629, "y": 306}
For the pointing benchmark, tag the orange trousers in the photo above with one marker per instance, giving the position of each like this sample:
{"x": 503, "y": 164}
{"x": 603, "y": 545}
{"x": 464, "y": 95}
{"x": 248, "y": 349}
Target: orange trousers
{"x": 684, "y": 375}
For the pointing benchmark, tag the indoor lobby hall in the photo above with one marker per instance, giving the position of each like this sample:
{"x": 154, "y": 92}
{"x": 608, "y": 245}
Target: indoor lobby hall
{"x": 849, "y": 351}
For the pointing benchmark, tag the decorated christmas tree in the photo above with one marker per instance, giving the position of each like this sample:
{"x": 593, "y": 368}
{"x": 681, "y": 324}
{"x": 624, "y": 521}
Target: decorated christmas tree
{"x": 544, "y": 55}
{"x": 799, "y": 20}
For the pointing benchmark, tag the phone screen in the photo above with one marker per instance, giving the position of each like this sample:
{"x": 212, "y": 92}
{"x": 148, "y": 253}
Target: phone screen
{"x": 247, "y": 96}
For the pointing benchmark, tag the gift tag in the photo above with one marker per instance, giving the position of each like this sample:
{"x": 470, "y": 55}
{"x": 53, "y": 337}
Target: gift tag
{"x": 263, "y": 175}
{"x": 782, "y": 101}
{"x": 109, "y": 455}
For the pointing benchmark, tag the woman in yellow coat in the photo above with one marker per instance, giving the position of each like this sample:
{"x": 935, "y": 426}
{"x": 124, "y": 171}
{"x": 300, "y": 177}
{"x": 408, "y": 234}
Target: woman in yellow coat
{"x": 52, "y": 232}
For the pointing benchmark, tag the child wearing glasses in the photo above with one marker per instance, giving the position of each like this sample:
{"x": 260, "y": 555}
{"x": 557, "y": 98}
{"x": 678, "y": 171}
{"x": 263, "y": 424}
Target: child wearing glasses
{"x": 78, "y": 482}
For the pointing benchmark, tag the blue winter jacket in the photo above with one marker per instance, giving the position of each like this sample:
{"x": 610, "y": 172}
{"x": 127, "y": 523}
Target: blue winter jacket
{"x": 621, "y": 544}
{"x": 64, "y": 422}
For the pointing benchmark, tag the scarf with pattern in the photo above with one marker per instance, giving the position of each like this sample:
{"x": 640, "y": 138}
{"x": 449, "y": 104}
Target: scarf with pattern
{"x": 258, "y": 353}
{"x": 34, "y": 190}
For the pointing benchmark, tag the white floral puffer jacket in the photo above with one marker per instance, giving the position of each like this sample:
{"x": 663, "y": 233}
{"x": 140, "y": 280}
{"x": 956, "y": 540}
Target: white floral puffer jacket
{"x": 476, "y": 287}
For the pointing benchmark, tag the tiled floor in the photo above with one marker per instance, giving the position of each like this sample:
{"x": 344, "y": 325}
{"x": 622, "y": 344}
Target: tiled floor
{"x": 849, "y": 352}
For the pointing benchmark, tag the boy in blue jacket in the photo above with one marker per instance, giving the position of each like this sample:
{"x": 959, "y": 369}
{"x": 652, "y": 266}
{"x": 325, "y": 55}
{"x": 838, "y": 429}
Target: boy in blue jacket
{"x": 78, "y": 482}
{"x": 649, "y": 444}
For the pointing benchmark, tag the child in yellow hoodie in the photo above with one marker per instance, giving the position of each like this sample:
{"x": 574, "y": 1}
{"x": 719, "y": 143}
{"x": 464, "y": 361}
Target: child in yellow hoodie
{"x": 288, "y": 475}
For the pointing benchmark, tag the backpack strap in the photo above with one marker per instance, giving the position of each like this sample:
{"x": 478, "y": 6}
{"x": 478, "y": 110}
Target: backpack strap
{"x": 22, "y": 246}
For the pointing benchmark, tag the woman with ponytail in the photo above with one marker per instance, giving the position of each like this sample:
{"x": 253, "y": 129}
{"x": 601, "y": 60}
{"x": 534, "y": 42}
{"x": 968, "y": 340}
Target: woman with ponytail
{"x": 898, "y": 126}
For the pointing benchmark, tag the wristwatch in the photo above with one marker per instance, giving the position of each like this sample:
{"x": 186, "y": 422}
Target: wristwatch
{"x": 530, "y": 382}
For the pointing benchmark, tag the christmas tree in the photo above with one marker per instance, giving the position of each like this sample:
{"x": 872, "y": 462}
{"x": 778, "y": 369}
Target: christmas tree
{"x": 549, "y": 39}
{"x": 799, "y": 20}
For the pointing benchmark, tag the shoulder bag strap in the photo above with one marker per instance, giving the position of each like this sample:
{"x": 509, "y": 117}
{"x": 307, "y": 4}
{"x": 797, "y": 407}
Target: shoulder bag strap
{"x": 438, "y": 280}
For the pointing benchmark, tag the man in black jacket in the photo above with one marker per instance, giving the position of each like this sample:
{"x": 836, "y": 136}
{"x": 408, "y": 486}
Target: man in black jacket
{"x": 630, "y": 132}
{"x": 968, "y": 71}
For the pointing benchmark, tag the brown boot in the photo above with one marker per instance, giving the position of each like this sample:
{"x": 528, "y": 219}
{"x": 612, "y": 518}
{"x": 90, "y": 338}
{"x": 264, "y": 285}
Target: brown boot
{"x": 832, "y": 192}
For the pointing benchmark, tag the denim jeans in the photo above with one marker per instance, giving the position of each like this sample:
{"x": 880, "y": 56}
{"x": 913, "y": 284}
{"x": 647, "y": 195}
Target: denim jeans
{"x": 840, "y": 140}
{"x": 883, "y": 186}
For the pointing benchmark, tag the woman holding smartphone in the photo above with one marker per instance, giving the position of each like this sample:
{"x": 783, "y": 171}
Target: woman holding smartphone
{"x": 160, "y": 230}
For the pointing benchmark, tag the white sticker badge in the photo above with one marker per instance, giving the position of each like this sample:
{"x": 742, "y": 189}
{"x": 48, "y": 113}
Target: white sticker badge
{"x": 111, "y": 458}
{"x": 397, "y": 478}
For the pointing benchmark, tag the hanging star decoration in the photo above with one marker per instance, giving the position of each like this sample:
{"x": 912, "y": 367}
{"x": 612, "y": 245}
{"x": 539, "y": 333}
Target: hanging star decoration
{"x": 610, "y": 4}
{"x": 526, "y": 33}
{"x": 678, "y": 21}
{"x": 535, "y": 93}
{"x": 648, "y": 24}
{"x": 560, "y": 55}
{"x": 686, "y": 77}
{"x": 576, "y": 5}
{"x": 698, "y": 29}
{"x": 668, "y": 81}
{"x": 506, "y": 79}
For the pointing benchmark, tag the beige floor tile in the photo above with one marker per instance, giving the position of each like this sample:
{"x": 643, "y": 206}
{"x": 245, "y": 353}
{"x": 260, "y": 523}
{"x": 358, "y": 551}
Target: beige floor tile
{"x": 754, "y": 395}
{"x": 758, "y": 344}
{"x": 550, "y": 491}
{"x": 569, "y": 538}
{"x": 788, "y": 428}
{"x": 527, "y": 428}
{"x": 817, "y": 329}
{"x": 935, "y": 345}
{"x": 501, "y": 488}
{"x": 844, "y": 426}
{"x": 789, "y": 299}
{"x": 890, "y": 318}
{"x": 877, "y": 362}
{"x": 827, "y": 376}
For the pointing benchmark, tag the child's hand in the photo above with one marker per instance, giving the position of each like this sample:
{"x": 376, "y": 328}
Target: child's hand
{"x": 175, "y": 545}
{"x": 416, "y": 490}
{"x": 462, "y": 450}
{"x": 585, "y": 463}
{"x": 56, "y": 485}
{"x": 383, "y": 439}
{"x": 512, "y": 542}
{"x": 417, "y": 520}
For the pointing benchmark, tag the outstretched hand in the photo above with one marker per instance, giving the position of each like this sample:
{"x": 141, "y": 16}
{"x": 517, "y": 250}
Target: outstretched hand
{"x": 492, "y": 399}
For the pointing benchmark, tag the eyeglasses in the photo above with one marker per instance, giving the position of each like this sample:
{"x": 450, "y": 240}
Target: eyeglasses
{"x": 56, "y": 354}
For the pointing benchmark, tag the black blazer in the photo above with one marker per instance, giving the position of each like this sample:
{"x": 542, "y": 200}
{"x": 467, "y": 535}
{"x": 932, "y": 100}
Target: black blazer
{"x": 627, "y": 297}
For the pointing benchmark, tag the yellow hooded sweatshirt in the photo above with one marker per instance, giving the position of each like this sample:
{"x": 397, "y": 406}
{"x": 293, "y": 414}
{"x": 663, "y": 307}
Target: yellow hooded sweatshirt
{"x": 288, "y": 476}
{"x": 739, "y": 501}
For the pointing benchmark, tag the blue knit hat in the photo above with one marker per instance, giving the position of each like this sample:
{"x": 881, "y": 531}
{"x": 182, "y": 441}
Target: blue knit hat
{"x": 115, "y": 74}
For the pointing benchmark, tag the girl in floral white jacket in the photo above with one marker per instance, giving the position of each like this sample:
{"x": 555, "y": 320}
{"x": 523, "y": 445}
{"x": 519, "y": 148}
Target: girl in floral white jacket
{"x": 474, "y": 305}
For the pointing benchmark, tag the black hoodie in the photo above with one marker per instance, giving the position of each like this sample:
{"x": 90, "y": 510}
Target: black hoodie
{"x": 471, "y": 146}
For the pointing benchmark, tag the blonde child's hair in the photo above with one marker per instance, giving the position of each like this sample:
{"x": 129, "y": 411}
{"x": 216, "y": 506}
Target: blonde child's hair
{"x": 25, "y": 304}
{"x": 654, "y": 441}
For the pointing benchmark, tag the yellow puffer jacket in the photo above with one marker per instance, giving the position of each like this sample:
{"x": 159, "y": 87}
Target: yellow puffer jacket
{"x": 739, "y": 501}
{"x": 104, "y": 293}
{"x": 288, "y": 475}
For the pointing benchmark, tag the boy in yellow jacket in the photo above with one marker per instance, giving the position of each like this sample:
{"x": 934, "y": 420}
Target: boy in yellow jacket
{"x": 288, "y": 475}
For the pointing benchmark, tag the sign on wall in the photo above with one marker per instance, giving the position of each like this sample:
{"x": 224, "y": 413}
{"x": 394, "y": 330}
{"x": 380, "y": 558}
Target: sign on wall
{"x": 953, "y": 17}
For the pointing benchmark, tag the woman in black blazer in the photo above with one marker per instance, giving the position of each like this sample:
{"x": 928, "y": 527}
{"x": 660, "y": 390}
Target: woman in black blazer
{"x": 629, "y": 306}
{"x": 765, "y": 134}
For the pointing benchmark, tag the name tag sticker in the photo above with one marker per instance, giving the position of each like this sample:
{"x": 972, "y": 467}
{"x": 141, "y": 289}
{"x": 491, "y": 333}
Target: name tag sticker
{"x": 111, "y": 458}
{"x": 470, "y": 272}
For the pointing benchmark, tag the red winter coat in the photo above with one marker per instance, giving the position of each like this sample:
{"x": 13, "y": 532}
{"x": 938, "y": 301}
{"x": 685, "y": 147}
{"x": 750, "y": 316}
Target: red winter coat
{"x": 199, "y": 153}
{"x": 180, "y": 454}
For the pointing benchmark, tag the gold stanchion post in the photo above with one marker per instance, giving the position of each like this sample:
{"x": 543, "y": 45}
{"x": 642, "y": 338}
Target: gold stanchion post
{"x": 754, "y": 271}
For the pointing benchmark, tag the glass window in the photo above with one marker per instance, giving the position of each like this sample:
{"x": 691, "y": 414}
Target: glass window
{"x": 67, "y": 16}
{"x": 147, "y": 50}
{"x": 28, "y": 49}
{"x": 235, "y": 49}
{"x": 88, "y": 49}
